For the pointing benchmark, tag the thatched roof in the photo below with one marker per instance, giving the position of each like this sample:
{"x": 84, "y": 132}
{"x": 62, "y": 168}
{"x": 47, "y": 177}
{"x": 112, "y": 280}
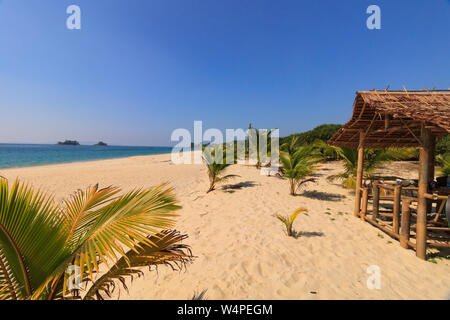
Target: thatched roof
{"x": 394, "y": 118}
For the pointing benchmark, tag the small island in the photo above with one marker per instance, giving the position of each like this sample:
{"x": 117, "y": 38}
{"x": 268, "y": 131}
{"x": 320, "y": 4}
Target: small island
{"x": 101, "y": 144}
{"x": 69, "y": 143}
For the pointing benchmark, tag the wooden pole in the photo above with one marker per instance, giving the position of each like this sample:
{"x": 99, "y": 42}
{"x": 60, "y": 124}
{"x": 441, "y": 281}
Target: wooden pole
{"x": 405, "y": 227}
{"x": 365, "y": 200}
{"x": 396, "y": 215}
{"x": 432, "y": 159}
{"x": 359, "y": 174}
{"x": 424, "y": 165}
{"x": 375, "y": 200}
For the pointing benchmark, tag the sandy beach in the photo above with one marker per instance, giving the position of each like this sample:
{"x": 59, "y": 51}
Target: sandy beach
{"x": 242, "y": 251}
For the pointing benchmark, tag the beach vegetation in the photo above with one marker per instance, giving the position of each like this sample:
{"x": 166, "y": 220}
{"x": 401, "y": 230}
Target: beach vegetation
{"x": 288, "y": 221}
{"x": 215, "y": 160}
{"x": 373, "y": 159}
{"x": 443, "y": 145}
{"x": 323, "y": 132}
{"x": 298, "y": 163}
{"x": 262, "y": 137}
{"x": 327, "y": 152}
{"x": 444, "y": 162}
{"x": 86, "y": 246}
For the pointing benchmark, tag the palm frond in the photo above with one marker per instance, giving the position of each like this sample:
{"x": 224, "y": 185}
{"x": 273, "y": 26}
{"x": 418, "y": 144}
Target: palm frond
{"x": 294, "y": 215}
{"x": 126, "y": 222}
{"x": 373, "y": 159}
{"x": 288, "y": 221}
{"x": 166, "y": 249}
{"x": 199, "y": 296}
{"x": 215, "y": 168}
{"x": 78, "y": 210}
{"x": 39, "y": 240}
{"x": 4, "y": 291}
{"x": 298, "y": 165}
{"x": 31, "y": 237}
{"x": 444, "y": 161}
{"x": 123, "y": 222}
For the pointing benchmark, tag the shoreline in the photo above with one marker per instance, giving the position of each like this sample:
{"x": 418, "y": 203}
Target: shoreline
{"x": 80, "y": 161}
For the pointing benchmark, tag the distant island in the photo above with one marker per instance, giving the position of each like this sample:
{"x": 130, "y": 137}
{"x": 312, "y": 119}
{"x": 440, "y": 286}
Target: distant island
{"x": 69, "y": 143}
{"x": 101, "y": 143}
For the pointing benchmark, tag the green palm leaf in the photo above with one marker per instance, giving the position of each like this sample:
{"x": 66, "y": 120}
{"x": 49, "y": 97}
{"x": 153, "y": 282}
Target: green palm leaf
{"x": 39, "y": 240}
{"x": 444, "y": 161}
{"x": 299, "y": 164}
{"x": 167, "y": 250}
{"x": 373, "y": 159}
{"x": 216, "y": 166}
{"x": 4, "y": 291}
{"x": 288, "y": 221}
{"x": 31, "y": 240}
{"x": 125, "y": 223}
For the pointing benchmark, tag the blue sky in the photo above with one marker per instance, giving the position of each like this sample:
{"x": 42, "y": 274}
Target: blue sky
{"x": 139, "y": 69}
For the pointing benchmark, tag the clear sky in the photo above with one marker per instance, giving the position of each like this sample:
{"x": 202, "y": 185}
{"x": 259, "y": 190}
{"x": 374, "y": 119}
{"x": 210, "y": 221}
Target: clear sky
{"x": 139, "y": 69}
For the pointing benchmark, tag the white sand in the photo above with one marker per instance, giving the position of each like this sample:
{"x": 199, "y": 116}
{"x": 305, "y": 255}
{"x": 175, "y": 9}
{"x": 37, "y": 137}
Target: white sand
{"x": 242, "y": 251}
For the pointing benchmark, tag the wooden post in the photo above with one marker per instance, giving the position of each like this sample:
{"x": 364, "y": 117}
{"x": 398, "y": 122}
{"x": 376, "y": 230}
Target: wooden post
{"x": 396, "y": 214}
{"x": 359, "y": 174}
{"x": 432, "y": 159}
{"x": 375, "y": 200}
{"x": 365, "y": 200}
{"x": 405, "y": 227}
{"x": 424, "y": 165}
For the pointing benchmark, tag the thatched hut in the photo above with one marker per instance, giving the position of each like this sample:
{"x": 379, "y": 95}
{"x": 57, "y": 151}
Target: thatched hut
{"x": 384, "y": 119}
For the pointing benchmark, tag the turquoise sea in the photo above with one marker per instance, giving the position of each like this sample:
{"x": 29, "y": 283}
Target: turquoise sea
{"x": 24, "y": 155}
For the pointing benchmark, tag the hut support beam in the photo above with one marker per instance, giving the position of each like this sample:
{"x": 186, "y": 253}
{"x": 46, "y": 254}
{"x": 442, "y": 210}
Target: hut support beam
{"x": 431, "y": 160}
{"x": 359, "y": 174}
{"x": 424, "y": 174}
{"x": 405, "y": 227}
{"x": 396, "y": 213}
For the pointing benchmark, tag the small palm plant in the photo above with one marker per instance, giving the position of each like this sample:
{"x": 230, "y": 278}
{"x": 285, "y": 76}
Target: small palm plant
{"x": 41, "y": 240}
{"x": 216, "y": 166}
{"x": 260, "y": 135}
{"x": 298, "y": 165}
{"x": 288, "y": 221}
{"x": 444, "y": 161}
{"x": 291, "y": 145}
{"x": 373, "y": 159}
{"x": 328, "y": 152}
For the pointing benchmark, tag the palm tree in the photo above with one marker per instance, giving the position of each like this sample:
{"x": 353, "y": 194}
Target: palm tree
{"x": 328, "y": 152}
{"x": 373, "y": 159}
{"x": 259, "y": 142}
{"x": 297, "y": 165}
{"x": 291, "y": 145}
{"x": 40, "y": 240}
{"x": 216, "y": 167}
{"x": 444, "y": 161}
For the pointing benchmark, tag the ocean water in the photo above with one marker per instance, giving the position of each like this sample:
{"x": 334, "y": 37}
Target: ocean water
{"x": 24, "y": 155}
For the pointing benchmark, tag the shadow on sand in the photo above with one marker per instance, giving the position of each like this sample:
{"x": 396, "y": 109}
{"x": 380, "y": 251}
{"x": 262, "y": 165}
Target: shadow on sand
{"x": 230, "y": 188}
{"x": 325, "y": 196}
{"x": 298, "y": 234}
